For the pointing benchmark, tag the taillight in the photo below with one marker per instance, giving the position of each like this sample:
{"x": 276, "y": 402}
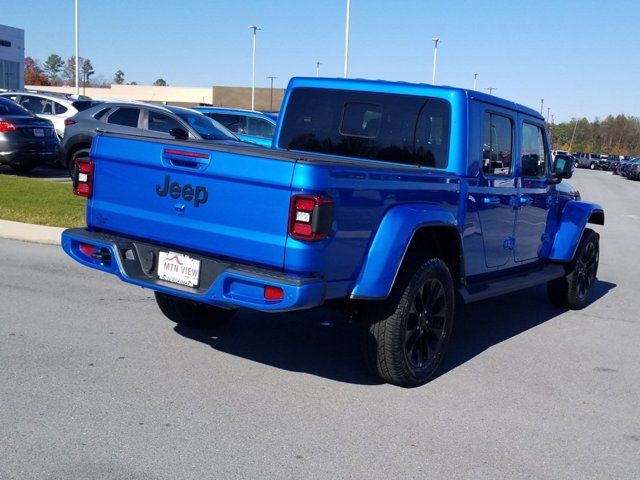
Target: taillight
{"x": 83, "y": 177}
{"x": 310, "y": 217}
{"x": 6, "y": 126}
{"x": 273, "y": 293}
{"x": 68, "y": 122}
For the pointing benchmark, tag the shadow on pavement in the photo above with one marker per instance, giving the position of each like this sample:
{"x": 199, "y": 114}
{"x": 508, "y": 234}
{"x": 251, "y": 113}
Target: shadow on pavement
{"x": 481, "y": 325}
{"x": 45, "y": 172}
{"x": 319, "y": 342}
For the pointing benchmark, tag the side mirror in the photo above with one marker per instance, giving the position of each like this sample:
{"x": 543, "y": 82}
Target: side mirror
{"x": 562, "y": 168}
{"x": 179, "y": 133}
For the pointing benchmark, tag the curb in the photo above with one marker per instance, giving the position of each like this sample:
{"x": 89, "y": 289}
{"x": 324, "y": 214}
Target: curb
{"x": 28, "y": 232}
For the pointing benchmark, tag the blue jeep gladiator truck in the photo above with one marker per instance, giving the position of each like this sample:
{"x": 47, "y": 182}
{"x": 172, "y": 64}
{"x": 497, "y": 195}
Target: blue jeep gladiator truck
{"x": 392, "y": 198}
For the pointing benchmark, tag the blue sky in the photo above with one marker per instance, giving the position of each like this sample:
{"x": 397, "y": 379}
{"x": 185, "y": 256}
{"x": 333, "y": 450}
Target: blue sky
{"x": 582, "y": 57}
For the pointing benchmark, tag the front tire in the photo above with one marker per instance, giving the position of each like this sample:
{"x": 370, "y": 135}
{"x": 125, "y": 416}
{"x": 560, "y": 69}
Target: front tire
{"x": 574, "y": 290}
{"x": 408, "y": 333}
{"x": 592, "y": 166}
{"x": 192, "y": 314}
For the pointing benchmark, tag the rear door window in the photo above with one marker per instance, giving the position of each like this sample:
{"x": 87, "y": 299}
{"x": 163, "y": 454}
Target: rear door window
{"x": 125, "y": 116}
{"x": 405, "y": 129}
{"x": 37, "y": 105}
{"x": 497, "y": 144}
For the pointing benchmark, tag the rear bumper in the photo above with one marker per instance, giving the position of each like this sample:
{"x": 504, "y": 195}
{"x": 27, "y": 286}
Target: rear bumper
{"x": 27, "y": 155}
{"x": 222, "y": 283}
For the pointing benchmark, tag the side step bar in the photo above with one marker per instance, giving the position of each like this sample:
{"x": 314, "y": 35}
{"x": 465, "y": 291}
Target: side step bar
{"x": 480, "y": 291}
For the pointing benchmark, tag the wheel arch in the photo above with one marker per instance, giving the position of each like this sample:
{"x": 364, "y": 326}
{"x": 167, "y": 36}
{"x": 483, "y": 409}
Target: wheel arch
{"x": 78, "y": 142}
{"x": 575, "y": 216}
{"x": 404, "y": 231}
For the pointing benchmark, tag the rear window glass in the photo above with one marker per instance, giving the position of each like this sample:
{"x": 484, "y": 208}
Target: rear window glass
{"x": 379, "y": 126}
{"x": 7, "y": 107}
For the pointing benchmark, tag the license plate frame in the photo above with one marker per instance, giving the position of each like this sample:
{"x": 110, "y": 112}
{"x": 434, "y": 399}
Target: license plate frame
{"x": 38, "y": 132}
{"x": 178, "y": 268}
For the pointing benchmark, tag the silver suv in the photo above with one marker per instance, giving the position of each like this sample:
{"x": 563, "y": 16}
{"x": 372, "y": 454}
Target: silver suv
{"x": 137, "y": 118}
{"x": 587, "y": 160}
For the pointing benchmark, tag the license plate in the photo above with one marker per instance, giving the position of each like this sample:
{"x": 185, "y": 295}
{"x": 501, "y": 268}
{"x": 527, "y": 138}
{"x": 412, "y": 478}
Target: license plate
{"x": 178, "y": 268}
{"x": 38, "y": 132}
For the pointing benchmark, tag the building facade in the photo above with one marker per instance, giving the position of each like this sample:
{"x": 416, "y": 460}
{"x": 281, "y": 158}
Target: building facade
{"x": 11, "y": 57}
{"x": 266, "y": 100}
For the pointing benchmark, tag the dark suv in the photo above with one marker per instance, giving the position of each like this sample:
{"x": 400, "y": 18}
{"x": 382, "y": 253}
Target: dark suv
{"x": 136, "y": 118}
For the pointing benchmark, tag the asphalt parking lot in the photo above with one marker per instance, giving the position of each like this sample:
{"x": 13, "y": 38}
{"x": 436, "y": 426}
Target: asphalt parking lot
{"x": 97, "y": 384}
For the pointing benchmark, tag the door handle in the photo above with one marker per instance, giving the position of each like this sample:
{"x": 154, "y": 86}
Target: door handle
{"x": 491, "y": 200}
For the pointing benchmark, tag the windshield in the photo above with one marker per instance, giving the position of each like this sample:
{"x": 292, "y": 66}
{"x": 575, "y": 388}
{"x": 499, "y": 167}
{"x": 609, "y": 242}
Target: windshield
{"x": 206, "y": 127}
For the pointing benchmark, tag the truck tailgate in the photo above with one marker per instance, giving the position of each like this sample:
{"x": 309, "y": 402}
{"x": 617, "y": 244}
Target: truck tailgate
{"x": 231, "y": 202}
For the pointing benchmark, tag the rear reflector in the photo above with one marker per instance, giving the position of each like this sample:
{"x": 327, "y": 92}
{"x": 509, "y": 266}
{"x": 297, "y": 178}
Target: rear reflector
{"x": 311, "y": 217}
{"x": 6, "y": 126}
{"x": 87, "y": 249}
{"x": 273, "y": 293}
{"x": 83, "y": 177}
{"x": 185, "y": 153}
{"x": 69, "y": 122}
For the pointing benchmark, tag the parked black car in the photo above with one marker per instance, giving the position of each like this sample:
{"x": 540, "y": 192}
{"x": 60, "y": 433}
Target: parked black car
{"x": 606, "y": 162}
{"x": 26, "y": 141}
{"x": 634, "y": 170}
{"x": 627, "y": 167}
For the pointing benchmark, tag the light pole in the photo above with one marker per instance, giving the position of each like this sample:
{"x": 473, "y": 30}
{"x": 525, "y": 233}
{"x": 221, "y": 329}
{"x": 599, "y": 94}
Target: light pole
{"x": 491, "y": 89}
{"x": 541, "y": 105}
{"x": 318, "y": 68}
{"x": 272, "y": 79}
{"x": 548, "y": 110}
{"x": 77, "y": 51}
{"x": 255, "y": 28}
{"x": 475, "y": 80}
{"x": 436, "y": 40}
{"x": 346, "y": 40}
{"x": 573, "y": 135}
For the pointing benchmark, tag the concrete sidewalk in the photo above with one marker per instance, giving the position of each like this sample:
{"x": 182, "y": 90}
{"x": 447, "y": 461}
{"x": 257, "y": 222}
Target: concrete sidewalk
{"x": 30, "y": 233}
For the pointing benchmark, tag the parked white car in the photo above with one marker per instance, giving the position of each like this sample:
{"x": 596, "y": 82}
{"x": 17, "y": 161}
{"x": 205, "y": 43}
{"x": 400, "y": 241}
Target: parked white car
{"x": 54, "y": 107}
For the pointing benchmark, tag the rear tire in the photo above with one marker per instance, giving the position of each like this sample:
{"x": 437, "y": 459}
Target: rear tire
{"x": 83, "y": 152}
{"x": 408, "y": 333}
{"x": 574, "y": 290}
{"x": 592, "y": 166}
{"x": 192, "y": 314}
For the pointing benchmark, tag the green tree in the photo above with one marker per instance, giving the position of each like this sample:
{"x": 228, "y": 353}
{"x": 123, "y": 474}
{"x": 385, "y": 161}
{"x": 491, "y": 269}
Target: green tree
{"x": 160, "y": 83}
{"x": 53, "y": 66}
{"x": 118, "y": 78}
{"x": 87, "y": 69}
